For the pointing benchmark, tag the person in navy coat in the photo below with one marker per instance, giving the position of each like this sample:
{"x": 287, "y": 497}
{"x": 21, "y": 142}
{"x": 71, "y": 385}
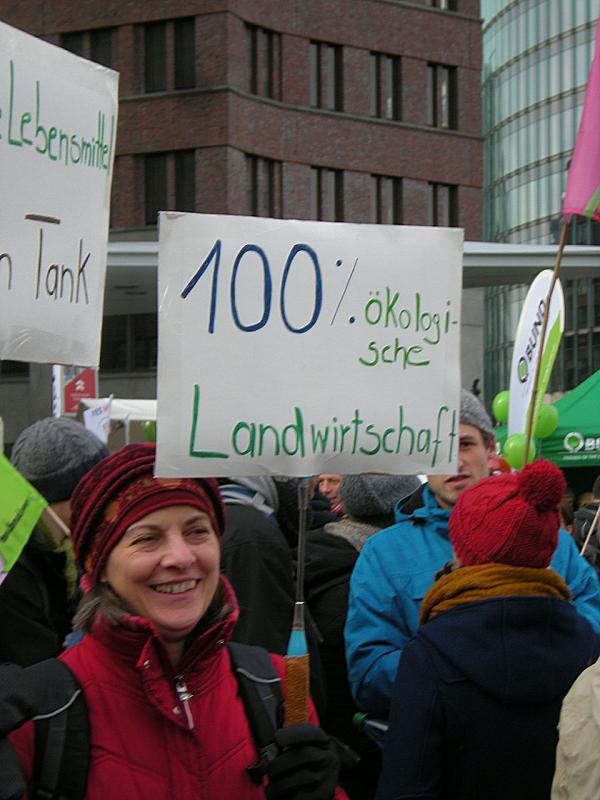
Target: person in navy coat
{"x": 479, "y": 688}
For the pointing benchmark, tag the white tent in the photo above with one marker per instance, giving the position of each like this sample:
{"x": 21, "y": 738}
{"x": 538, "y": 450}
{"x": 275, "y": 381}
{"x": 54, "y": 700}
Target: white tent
{"x": 127, "y": 418}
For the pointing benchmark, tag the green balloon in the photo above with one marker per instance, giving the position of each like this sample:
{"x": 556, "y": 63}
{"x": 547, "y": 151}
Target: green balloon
{"x": 500, "y": 406}
{"x": 149, "y": 429}
{"x": 514, "y": 451}
{"x": 547, "y": 421}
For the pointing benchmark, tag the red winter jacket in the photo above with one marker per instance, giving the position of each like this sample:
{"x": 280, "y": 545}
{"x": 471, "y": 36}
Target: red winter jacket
{"x": 147, "y": 742}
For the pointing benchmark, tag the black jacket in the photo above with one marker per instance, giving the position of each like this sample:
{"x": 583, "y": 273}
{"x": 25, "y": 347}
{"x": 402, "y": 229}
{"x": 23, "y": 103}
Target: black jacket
{"x": 477, "y": 699}
{"x": 35, "y": 611}
{"x": 259, "y": 563}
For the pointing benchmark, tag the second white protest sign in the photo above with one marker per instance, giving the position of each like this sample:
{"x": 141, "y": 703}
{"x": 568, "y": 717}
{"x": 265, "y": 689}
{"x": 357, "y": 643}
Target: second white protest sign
{"x": 58, "y": 125}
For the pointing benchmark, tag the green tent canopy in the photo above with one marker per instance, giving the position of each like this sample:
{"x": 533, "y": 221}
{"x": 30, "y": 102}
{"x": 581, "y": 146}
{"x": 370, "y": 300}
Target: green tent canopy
{"x": 576, "y": 441}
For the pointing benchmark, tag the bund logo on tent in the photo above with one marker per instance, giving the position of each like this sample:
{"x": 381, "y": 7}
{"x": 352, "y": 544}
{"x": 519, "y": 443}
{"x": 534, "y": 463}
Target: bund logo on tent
{"x": 574, "y": 442}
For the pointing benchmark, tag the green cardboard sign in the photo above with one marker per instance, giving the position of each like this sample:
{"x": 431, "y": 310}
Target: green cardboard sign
{"x": 20, "y": 509}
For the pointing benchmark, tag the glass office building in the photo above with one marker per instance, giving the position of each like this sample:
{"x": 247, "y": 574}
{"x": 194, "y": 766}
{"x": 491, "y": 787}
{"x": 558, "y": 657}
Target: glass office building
{"x": 536, "y": 57}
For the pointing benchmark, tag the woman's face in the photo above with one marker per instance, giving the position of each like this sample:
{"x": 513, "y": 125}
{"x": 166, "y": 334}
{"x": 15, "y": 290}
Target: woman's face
{"x": 166, "y": 569}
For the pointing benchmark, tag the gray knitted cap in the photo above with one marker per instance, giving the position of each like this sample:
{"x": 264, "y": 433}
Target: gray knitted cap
{"x": 368, "y": 495}
{"x": 54, "y": 454}
{"x": 473, "y": 413}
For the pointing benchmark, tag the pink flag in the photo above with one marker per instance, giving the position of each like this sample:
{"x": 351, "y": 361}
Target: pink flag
{"x": 583, "y": 181}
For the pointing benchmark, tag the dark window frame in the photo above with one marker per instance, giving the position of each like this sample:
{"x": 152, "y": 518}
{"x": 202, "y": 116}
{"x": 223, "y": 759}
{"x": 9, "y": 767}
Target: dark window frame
{"x": 14, "y": 369}
{"x": 326, "y": 76}
{"x": 436, "y": 207}
{"x": 385, "y": 86}
{"x": 96, "y": 44}
{"x": 390, "y": 206}
{"x": 263, "y": 54}
{"x": 155, "y": 185}
{"x": 327, "y": 194}
{"x": 128, "y": 343}
{"x": 443, "y": 5}
{"x": 263, "y": 181}
{"x": 155, "y": 56}
{"x": 184, "y": 43}
{"x": 442, "y": 112}
{"x": 185, "y": 180}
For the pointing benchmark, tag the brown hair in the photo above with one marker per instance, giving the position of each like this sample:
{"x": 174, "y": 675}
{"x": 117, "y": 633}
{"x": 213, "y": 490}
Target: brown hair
{"x": 101, "y": 599}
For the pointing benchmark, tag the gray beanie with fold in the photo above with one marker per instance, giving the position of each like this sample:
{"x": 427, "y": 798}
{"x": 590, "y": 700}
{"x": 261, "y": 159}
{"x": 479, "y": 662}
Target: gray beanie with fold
{"x": 54, "y": 454}
{"x": 371, "y": 495}
{"x": 473, "y": 413}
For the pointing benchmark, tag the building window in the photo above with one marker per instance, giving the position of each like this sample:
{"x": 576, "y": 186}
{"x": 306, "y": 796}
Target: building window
{"x": 185, "y": 53}
{"x": 169, "y": 43}
{"x": 441, "y": 96}
{"x": 14, "y": 369}
{"x": 384, "y": 86}
{"x": 101, "y": 46}
{"x": 155, "y": 57}
{"x": 446, "y": 5}
{"x": 113, "y": 350}
{"x": 96, "y": 45}
{"x": 264, "y": 186}
{"x": 185, "y": 180}
{"x": 386, "y": 200}
{"x": 129, "y": 343}
{"x": 74, "y": 43}
{"x": 144, "y": 341}
{"x": 443, "y": 205}
{"x": 155, "y": 181}
{"x": 326, "y": 76}
{"x": 581, "y": 231}
{"x": 264, "y": 62}
{"x": 169, "y": 183}
{"x": 327, "y": 194}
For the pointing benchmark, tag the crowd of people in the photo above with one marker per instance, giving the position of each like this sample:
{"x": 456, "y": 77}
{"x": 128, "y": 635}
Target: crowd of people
{"x": 453, "y": 632}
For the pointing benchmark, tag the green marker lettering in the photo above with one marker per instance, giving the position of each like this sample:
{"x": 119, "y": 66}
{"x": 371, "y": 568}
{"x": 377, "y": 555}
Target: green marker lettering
{"x": 199, "y": 453}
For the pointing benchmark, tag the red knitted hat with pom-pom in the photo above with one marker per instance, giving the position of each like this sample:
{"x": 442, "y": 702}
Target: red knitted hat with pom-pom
{"x": 509, "y": 519}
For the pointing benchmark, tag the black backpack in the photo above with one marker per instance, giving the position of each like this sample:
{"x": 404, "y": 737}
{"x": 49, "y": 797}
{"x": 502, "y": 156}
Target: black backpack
{"x": 62, "y": 733}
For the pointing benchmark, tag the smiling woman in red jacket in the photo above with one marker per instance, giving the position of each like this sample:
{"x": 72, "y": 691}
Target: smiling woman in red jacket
{"x": 165, "y": 715}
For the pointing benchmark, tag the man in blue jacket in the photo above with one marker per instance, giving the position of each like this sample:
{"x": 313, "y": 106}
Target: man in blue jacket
{"x": 398, "y": 565}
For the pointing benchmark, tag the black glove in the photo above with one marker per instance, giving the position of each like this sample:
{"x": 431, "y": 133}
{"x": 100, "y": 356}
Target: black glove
{"x": 306, "y": 767}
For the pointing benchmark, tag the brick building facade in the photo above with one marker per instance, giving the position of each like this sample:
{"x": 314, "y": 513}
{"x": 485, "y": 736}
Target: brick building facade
{"x": 343, "y": 110}
{"x": 354, "y": 110}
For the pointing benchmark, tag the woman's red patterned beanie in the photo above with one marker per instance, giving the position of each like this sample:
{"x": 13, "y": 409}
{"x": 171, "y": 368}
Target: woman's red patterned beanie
{"x": 122, "y": 489}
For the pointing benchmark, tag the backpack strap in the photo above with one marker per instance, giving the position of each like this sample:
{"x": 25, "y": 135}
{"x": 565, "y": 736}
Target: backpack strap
{"x": 260, "y": 689}
{"x": 62, "y": 734}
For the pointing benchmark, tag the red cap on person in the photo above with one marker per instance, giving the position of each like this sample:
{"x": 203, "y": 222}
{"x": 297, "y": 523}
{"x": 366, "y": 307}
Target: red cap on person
{"x": 509, "y": 519}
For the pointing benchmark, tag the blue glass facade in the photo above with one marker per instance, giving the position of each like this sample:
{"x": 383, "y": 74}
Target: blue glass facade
{"x": 536, "y": 55}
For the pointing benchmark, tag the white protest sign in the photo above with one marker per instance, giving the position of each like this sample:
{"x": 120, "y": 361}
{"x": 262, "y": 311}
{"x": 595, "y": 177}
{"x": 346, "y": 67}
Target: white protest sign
{"x": 58, "y": 123}
{"x": 97, "y": 420}
{"x": 290, "y": 347}
{"x": 526, "y": 349}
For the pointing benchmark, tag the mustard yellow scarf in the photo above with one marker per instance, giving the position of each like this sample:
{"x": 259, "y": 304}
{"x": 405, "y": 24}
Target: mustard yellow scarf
{"x": 482, "y": 582}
